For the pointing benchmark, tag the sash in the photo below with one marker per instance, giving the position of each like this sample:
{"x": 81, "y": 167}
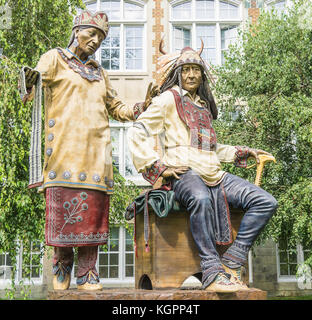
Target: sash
{"x": 35, "y": 165}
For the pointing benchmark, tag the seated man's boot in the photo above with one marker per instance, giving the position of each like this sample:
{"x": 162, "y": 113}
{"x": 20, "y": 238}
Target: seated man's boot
{"x": 236, "y": 276}
{"x": 62, "y": 276}
{"x": 222, "y": 283}
{"x": 89, "y": 282}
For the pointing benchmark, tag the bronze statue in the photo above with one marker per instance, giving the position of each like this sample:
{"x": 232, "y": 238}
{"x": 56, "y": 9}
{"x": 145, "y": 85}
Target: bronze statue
{"x": 191, "y": 166}
{"x": 77, "y": 176}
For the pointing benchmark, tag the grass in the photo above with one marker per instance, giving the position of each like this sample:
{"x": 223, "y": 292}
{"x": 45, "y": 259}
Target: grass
{"x": 291, "y": 298}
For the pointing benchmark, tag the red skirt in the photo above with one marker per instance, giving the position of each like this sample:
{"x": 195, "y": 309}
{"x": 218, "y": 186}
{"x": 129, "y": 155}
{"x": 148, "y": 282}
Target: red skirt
{"x": 76, "y": 217}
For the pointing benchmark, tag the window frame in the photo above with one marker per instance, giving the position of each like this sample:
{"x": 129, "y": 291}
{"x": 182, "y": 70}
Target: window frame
{"x": 216, "y": 21}
{"x": 122, "y": 23}
{"x": 137, "y": 180}
{"x": 4, "y": 283}
{"x": 300, "y": 259}
{"x": 122, "y": 279}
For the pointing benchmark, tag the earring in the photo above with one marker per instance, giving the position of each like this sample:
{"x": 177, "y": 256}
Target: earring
{"x": 75, "y": 43}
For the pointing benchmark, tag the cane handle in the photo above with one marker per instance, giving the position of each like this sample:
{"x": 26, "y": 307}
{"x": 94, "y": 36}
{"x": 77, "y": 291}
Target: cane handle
{"x": 263, "y": 159}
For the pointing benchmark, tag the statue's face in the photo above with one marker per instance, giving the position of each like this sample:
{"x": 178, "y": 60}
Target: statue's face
{"x": 89, "y": 40}
{"x": 191, "y": 77}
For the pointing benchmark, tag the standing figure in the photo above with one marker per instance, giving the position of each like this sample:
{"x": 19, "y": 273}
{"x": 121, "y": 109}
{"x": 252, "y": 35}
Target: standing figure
{"x": 77, "y": 175}
{"x": 191, "y": 162}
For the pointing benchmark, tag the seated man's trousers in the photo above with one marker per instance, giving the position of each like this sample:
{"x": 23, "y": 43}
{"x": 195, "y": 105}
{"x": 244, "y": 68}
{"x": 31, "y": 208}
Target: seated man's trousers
{"x": 194, "y": 195}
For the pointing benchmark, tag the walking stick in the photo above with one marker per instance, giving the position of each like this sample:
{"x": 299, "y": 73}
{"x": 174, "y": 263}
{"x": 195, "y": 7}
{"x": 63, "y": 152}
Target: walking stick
{"x": 263, "y": 159}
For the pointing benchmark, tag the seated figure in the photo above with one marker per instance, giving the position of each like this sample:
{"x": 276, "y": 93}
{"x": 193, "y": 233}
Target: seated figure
{"x": 182, "y": 116}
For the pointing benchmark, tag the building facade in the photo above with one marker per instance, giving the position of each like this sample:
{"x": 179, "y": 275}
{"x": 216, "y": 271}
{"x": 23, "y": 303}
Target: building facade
{"x": 129, "y": 54}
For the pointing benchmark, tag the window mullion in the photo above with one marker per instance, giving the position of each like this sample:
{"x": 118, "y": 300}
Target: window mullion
{"x": 217, "y": 10}
{"x": 19, "y": 273}
{"x": 121, "y": 264}
{"x": 122, "y": 53}
{"x": 121, "y": 152}
{"x": 193, "y": 36}
{"x": 218, "y": 43}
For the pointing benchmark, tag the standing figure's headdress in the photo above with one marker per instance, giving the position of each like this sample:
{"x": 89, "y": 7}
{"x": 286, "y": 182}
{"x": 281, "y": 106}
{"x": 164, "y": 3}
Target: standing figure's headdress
{"x": 97, "y": 20}
{"x": 170, "y": 63}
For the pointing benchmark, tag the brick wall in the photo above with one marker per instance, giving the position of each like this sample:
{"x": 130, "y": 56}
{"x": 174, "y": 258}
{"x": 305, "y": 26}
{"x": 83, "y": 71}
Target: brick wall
{"x": 158, "y": 29}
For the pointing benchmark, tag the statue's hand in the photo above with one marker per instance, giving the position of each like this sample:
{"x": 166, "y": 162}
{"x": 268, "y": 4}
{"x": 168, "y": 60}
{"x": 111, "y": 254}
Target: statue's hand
{"x": 255, "y": 152}
{"x": 152, "y": 91}
{"x": 174, "y": 172}
{"x": 30, "y": 77}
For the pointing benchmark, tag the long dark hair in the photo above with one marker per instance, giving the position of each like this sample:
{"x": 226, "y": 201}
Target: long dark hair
{"x": 203, "y": 91}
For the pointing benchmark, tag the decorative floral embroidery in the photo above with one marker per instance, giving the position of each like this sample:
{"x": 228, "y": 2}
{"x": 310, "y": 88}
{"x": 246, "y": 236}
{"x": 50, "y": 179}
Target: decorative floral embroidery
{"x": 76, "y": 206}
{"x": 153, "y": 173}
{"x": 241, "y": 156}
{"x": 88, "y": 72}
{"x": 138, "y": 109}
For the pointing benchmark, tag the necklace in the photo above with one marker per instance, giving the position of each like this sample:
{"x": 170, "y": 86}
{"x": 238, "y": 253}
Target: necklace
{"x": 83, "y": 62}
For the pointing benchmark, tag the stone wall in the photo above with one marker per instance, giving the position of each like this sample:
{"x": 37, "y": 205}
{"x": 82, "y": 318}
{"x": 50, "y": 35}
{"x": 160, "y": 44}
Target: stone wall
{"x": 265, "y": 276}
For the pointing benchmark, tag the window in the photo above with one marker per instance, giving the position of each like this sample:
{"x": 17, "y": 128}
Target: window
{"x": 115, "y": 261}
{"x": 123, "y": 49}
{"x": 288, "y": 260}
{"x": 279, "y": 6}
{"x": 214, "y": 21}
{"x": 31, "y": 270}
{"x": 121, "y": 155}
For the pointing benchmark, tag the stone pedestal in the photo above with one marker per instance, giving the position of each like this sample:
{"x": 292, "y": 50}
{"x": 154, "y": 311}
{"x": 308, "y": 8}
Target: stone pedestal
{"x": 139, "y": 294}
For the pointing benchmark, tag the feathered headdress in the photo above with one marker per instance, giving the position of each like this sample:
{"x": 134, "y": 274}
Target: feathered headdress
{"x": 170, "y": 61}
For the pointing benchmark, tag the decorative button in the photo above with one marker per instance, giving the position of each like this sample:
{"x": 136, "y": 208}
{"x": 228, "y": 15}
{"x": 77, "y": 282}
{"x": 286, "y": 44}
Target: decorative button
{"x": 66, "y": 175}
{"x": 96, "y": 178}
{"x": 52, "y": 175}
{"x": 51, "y": 123}
{"x": 82, "y": 176}
{"x": 49, "y": 151}
{"x": 109, "y": 182}
{"x": 50, "y": 136}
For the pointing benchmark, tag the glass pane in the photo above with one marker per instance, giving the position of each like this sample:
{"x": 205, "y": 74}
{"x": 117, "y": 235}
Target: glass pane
{"x": 115, "y": 151}
{"x": 111, "y": 8}
{"x": 114, "y": 245}
{"x": 35, "y": 273}
{"x": 133, "y": 11}
{"x": 91, "y": 6}
{"x": 283, "y": 269}
{"x": 205, "y": 9}
{"x": 129, "y": 271}
{"x": 113, "y": 272}
{"x": 103, "y": 272}
{"x": 283, "y": 257}
{"x": 129, "y": 245}
{"x": 113, "y": 259}
{"x": 181, "y": 37}
{"x": 182, "y": 11}
{"x": 292, "y": 269}
{"x": 207, "y": 33}
{"x": 292, "y": 256}
{"x": 228, "y": 37}
{"x": 103, "y": 259}
{"x": 129, "y": 258}
{"x": 278, "y": 6}
{"x": 110, "y": 50}
{"x": 134, "y": 47}
{"x": 228, "y": 11}
{"x": 114, "y": 233}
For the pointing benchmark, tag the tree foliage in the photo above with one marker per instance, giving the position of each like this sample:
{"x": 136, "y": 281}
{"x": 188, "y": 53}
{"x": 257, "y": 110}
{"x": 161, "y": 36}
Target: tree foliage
{"x": 264, "y": 91}
{"x": 36, "y": 27}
